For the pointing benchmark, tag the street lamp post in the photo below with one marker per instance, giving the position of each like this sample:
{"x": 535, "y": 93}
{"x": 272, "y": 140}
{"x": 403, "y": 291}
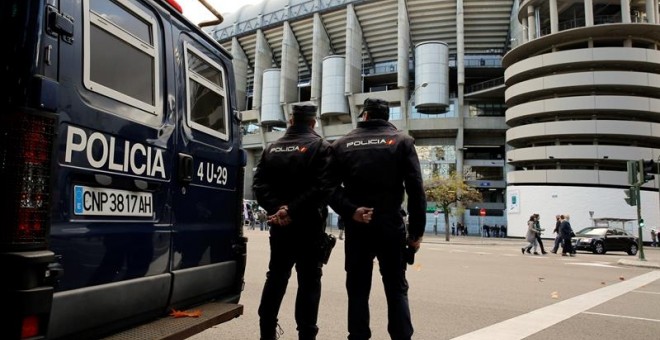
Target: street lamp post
{"x": 640, "y": 239}
{"x": 409, "y": 106}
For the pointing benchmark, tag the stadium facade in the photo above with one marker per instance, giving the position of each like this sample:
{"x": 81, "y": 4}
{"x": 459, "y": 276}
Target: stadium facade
{"x": 539, "y": 103}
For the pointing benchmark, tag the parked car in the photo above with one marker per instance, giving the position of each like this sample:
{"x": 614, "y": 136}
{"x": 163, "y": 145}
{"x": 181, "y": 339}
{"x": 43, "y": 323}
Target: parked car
{"x": 600, "y": 240}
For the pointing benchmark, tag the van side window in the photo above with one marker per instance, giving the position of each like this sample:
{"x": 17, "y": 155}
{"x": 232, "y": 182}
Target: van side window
{"x": 207, "y": 97}
{"x": 120, "y": 54}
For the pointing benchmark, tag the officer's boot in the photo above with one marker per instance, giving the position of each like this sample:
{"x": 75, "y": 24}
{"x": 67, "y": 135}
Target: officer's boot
{"x": 268, "y": 335}
{"x": 270, "y": 331}
{"x": 308, "y": 334}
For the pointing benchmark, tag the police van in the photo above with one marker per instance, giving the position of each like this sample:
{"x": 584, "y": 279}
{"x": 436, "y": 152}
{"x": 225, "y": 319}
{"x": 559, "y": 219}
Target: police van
{"x": 122, "y": 172}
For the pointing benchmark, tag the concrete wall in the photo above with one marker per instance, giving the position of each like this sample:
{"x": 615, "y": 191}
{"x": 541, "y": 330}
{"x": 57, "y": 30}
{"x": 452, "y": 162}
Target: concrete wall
{"x": 549, "y": 201}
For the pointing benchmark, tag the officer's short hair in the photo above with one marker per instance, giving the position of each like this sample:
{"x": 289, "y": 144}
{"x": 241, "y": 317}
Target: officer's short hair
{"x": 377, "y": 108}
{"x": 303, "y": 113}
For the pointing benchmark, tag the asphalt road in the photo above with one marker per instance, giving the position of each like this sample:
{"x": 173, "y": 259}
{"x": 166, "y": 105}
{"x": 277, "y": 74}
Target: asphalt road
{"x": 479, "y": 288}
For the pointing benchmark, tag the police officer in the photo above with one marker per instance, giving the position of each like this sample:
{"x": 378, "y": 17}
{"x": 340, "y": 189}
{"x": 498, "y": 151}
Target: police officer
{"x": 376, "y": 164}
{"x": 293, "y": 183}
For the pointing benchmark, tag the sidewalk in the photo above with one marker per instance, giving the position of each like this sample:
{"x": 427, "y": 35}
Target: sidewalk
{"x": 651, "y": 254}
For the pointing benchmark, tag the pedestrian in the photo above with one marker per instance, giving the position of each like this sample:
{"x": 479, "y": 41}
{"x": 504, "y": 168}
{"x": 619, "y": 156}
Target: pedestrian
{"x": 293, "y": 182}
{"x": 246, "y": 214}
{"x": 537, "y": 225}
{"x": 376, "y": 164}
{"x": 557, "y": 231}
{"x": 531, "y": 236}
{"x": 262, "y": 218}
{"x": 566, "y": 235}
{"x": 251, "y": 219}
{"x": 654, "y": 238}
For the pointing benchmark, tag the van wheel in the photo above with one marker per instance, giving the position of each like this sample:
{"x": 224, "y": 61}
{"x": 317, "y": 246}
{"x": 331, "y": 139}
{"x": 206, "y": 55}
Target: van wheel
{"x": 632, "y": 250}
{"x": 599, "y": 248}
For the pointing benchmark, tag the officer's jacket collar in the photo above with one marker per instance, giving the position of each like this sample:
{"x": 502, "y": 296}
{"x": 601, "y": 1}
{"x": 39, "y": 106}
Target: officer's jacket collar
{"x": 297, "y": 129}
{"x": 375, "y": 123}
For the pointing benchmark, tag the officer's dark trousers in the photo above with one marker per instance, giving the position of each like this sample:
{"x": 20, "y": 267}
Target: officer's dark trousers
{"x": 361, "y": 249}
{"x": 286, "y": 250}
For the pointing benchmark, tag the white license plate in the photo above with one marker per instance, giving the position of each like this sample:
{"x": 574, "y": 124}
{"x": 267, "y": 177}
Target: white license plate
{"x": 92, "y": 201}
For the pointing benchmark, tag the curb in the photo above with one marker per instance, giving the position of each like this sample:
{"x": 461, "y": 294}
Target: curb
{"x": 507, "y": 241}
{"x": 637, "y": 263}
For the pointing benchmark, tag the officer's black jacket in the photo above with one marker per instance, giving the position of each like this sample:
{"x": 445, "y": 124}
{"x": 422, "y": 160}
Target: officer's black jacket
{"x": 295, "y": 171}
{"x": 376, "y": 163}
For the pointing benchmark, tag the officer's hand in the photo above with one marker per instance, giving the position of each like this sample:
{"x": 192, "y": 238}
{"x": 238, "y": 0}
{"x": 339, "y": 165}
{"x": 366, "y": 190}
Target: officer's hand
{"x": 281, "y": 217}
{"x": 415, "y": 244}
{"x": 363, "y": 214}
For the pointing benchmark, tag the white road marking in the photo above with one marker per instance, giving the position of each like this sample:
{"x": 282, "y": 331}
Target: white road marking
{"x": 642, "y": 292}
{"x": 593, "y": 265}
{"x": 535, "y": 321}
{"x": 622, "y": 316}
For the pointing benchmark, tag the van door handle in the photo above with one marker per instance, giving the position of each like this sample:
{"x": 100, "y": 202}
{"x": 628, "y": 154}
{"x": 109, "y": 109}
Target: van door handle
{"x": 186, "y": 168}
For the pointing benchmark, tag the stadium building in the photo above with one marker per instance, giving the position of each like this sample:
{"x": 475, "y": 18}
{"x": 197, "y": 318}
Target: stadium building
{"x": 538, "y": 103}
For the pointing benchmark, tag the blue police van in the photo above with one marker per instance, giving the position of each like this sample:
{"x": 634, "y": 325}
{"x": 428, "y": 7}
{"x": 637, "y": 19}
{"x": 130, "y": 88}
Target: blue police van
{"x": 122, "y": 172}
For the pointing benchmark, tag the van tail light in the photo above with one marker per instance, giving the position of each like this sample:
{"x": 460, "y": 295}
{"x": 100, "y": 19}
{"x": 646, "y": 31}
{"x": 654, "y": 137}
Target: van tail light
{"x": 26, "y": 142}
{"x": 30, "y": 327}
{"x": 175, "y": 4}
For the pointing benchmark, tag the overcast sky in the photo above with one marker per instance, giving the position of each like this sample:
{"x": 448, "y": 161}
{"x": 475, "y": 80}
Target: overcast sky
{"x": 196, "y": 12}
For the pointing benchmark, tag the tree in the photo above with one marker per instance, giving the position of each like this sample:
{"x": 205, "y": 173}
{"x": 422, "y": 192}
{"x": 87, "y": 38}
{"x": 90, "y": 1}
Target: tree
{"x": 446, "y": 191}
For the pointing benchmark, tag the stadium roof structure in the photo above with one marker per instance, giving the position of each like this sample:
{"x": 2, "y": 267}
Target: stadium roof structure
{"x": 486, "y": 26}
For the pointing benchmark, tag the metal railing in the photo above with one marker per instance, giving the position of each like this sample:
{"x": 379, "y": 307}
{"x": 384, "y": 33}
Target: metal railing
{"x": 598, "y": 20}
{"x": 300, "y": 10}
{"x": 485, "y": 85}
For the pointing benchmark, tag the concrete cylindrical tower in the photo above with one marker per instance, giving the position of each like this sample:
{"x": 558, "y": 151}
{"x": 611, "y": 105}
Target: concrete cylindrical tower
{"x": 432, "y": 68}
{"x": 271, "y": 110}
{"x": 333, "y": 100}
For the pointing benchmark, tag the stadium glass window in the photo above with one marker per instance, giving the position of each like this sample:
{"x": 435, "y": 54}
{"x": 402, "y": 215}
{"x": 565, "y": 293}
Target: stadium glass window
{"x": 487, "y": 109}
{"x": 207, "y": 97}
{"x": 121, "y": 53}
{"x": 433, "y": 169}
{"x": 395, "y": 113}
{"x": 491, "y": 195}
{"x": 250, "y": 128}
{"x": 436, "y": 160}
